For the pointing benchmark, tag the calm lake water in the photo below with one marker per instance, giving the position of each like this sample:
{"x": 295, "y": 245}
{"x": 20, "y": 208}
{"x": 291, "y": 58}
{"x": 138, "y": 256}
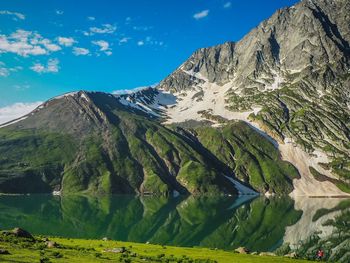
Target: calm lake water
{"x": 259, "y": 224}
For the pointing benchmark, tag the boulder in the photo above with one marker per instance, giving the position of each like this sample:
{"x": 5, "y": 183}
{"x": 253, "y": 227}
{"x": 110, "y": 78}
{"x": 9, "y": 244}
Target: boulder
{"x": 116, "y": 250}
{"x": 291, "y": 255}
{"x": 242, "y": 250}
{"x": 51, "y": 244}
{"x": 18, "y": 232}
{"x": 105, "y": 239}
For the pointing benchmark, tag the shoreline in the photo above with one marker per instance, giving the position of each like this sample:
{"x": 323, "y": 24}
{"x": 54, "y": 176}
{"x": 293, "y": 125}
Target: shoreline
{"x": 294, "y": 197}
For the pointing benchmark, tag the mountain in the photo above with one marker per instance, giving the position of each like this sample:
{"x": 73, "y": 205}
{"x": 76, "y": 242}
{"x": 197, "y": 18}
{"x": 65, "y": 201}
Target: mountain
{"x": 289, "y": 78}
{"x": 91, "y": 142}
{"x": 267, "y": 114}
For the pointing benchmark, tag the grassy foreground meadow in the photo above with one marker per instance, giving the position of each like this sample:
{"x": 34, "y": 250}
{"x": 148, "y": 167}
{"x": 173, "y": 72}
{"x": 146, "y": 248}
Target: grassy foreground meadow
{"x": 40, "y": 249}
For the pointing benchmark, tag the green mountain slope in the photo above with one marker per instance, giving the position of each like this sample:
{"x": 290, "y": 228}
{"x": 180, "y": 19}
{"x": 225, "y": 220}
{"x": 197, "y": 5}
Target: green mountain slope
{"x": 253, "y": 158}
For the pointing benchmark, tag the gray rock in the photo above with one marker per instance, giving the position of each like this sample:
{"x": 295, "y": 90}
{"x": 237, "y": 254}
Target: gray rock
{"x": 242, "y": 250}
{"x": 116, "y": 250}
{"x": 291, "y": 255}
{"x": 19, "y": 232}
{"x": 51, "y": 244}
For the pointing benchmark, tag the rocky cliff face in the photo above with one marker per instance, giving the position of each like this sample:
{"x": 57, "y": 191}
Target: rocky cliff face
{"x": 306, "y": 37}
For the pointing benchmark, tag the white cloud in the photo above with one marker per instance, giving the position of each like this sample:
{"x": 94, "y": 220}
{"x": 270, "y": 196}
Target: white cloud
{"x": 124, "y": 40}
{"x": 91, "y": 18}
{"x": 227, "y": 5}
{"x": 105, "y": 29}
{"x": 201, "y": 14}
{"x": 104, "y": 46}
{"x": 150, "y": 41}
{"x": 51, "y": 67}
{"x": 16, "y": 110}
{"x": 49, "y": 45}
{"x": 59, "y": 12}
{"x": 6, "y": 71}
{"x": 66, "y": 41}
{"x": 25, "y": 43}
{"x": 79, "y": 51}
{"x": 14, "y": 14}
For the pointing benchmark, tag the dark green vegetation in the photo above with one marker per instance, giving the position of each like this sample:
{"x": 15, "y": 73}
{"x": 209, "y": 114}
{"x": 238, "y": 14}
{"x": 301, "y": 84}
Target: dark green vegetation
{"x": 91, "y": 143}
{"x": 43, "y": 249}
{"x": 214, "y": 222}
{"x": 253, "y": 159}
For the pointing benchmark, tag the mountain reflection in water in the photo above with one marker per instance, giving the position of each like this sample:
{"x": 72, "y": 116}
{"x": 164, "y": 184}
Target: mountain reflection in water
{"x": 260, "y": 224}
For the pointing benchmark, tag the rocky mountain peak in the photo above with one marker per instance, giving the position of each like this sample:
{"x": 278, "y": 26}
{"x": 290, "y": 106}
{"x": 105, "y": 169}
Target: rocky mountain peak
{"x": 307, "y": 36}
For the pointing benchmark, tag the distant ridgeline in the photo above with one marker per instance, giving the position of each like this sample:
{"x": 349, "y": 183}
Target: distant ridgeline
{"x": 268, "y": 114}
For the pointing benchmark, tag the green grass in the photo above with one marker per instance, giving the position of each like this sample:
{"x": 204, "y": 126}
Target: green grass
{"x": 86, "y": 251}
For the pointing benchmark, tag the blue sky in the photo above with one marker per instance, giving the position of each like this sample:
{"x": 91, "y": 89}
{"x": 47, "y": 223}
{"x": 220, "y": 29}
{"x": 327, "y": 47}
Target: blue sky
{"x": 52, "y": 47}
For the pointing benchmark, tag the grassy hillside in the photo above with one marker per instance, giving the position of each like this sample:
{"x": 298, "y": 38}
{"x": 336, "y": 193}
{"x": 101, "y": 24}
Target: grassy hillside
{"x": 250, "y": 156}
{"x": 75, "y": 250}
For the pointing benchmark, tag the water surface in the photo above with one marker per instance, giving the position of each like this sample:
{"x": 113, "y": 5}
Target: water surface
{"x": 260, "y": 224}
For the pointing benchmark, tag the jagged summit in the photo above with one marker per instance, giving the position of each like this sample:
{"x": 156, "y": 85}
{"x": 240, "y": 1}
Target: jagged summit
{"x": 305, "y": 37}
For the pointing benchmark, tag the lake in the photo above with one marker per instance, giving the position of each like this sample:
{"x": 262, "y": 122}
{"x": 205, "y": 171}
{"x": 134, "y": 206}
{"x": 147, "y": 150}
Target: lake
{"x": 259, "y": 224}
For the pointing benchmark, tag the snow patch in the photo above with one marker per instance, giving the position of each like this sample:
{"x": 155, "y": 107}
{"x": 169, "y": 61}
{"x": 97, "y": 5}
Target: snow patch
{"x": 213, "y": 97}
{"x": 56, "y": 193}
{"x": 158, "y": 104}
{"x": 307, "y": 185}
{"x": 65, "y": 95}
{"x": 242, "y": 189}
{"x": 83, "y": 96}
{"x": 197, "y": 75}
{"x": 278, "y": 80}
